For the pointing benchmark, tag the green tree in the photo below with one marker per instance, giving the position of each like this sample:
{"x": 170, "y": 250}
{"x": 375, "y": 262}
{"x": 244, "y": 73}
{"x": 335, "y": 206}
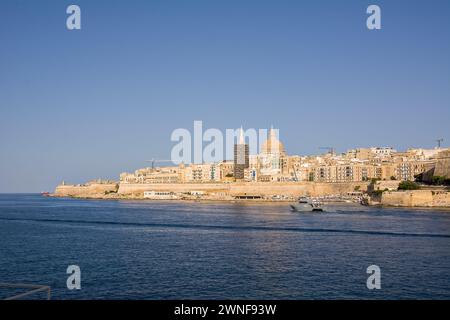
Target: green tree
{"x": 408, "y": 185}
{"x": 440, "y": 181}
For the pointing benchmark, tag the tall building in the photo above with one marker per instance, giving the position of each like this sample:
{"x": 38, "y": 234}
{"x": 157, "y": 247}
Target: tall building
{"x": 241, "y": 157}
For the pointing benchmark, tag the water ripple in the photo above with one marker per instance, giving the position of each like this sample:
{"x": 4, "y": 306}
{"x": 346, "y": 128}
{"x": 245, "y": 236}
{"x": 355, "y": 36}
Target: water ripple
{"x": 233, "y": 228}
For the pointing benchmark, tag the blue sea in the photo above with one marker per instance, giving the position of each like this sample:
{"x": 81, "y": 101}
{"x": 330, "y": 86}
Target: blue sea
{"x": 193, "y": 250}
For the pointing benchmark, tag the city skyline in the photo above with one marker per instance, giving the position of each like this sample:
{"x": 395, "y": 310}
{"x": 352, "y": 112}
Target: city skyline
{"x": 94, "y": 102}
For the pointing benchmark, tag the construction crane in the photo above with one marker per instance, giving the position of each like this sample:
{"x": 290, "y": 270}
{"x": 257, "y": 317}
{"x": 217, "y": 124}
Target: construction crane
{"x": 295, "y": 174}
{"x": 153, "y": 161}
{"x": 330, "y": 150}
{"x": 439, "y": 141}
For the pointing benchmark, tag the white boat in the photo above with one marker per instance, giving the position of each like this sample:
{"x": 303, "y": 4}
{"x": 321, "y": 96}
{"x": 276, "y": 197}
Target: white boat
{"x": 307, "y": 205}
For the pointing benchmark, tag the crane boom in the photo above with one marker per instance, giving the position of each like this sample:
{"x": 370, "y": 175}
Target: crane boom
{"x": 153, "y": 161}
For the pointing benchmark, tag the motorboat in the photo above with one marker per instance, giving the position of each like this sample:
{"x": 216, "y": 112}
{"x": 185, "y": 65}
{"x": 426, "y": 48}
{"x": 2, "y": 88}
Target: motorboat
{"x": 307, "y": 205}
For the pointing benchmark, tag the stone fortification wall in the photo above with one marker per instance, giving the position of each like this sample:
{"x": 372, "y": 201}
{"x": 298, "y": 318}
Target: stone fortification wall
{"x": 416, "y": 198}
{"x": 262, "y": 189}
{"x": 443, "y": 165}
{"x": 95, "y": 189}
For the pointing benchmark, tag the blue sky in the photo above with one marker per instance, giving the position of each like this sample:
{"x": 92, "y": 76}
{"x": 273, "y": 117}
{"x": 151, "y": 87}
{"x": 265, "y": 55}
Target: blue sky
{"x": 76, "y": 105}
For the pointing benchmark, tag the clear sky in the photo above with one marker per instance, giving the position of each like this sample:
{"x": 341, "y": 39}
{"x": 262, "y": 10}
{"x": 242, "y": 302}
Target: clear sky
{"x": 77, "y": 105}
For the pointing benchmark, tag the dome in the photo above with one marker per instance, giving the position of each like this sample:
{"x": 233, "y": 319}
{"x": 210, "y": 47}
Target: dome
{"x": 272, "y": 145}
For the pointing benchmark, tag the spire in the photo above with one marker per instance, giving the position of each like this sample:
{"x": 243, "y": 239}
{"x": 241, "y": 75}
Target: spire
{"x": 241, "y": 136}
{"x": 272, "y": 134}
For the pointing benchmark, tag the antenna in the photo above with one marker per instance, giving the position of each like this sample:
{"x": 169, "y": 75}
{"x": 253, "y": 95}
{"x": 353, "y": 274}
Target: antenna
{"x": 439, "y": 141}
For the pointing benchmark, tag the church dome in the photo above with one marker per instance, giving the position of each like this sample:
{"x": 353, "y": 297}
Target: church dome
{"x": 272, "y": 145}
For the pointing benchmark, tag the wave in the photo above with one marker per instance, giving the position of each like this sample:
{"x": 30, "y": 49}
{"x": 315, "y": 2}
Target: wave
{"x": 232, "y": 228}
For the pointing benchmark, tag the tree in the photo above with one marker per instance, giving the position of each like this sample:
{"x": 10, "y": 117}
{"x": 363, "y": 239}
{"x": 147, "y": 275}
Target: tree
{"x": 408, "y": 185}
{"x": 440, "y": 181}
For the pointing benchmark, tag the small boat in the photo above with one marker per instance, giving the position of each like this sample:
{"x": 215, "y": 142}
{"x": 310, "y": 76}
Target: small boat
{"x": 45, "y": 194}
{"x": 307, "y": 205}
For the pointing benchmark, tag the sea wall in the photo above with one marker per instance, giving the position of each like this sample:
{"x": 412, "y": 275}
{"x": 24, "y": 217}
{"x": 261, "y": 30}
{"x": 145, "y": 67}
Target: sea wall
{"x": 139, "y": 188}
{"x": 416, "y": 198}
{"x": 386, "y": 185}
{"x": 441, "y": 199}
{"x": 89, "y": 190}
{"x": 250, "y": 188}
